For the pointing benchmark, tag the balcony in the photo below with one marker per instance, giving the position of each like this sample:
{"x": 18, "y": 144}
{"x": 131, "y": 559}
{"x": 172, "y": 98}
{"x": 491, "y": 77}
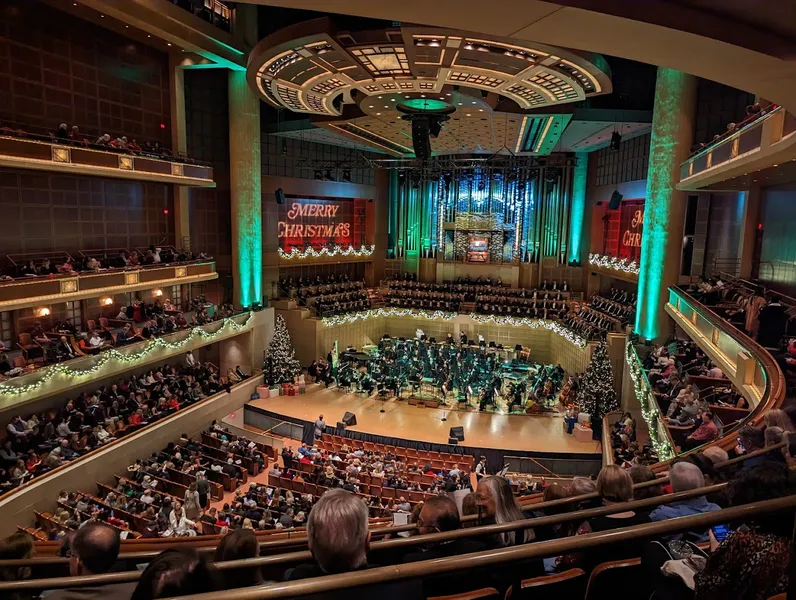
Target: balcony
{"x": 616, "y": 268}
{"x": 66, "y": 376}
{"x": 41, "y": 151}
{"x": 751, "y": 369}
{"x": 764, "y": 142}
{"x": 35, "y": 291}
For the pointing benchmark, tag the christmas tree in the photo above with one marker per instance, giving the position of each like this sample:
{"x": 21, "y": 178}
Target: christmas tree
{"x": 280, "y": 364}
{"x": 597, "y": 396}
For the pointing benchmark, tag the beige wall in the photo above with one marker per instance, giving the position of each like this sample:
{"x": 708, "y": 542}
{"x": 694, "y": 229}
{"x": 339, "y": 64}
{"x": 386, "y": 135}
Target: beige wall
{"x": 18, "y": 508}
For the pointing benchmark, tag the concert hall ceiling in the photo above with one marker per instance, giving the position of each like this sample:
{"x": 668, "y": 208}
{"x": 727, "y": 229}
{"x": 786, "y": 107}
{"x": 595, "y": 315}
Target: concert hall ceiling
{"x": 507, "y": 96}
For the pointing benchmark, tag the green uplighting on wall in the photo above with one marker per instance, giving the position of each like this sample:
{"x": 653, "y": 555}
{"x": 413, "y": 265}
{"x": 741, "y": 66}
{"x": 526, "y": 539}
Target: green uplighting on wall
{"x": 247, "y": 227}
{"x": 578, "y": 210}
{"x": 670, "y": 92}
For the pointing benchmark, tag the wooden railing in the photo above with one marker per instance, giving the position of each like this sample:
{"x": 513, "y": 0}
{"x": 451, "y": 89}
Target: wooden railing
{"x": 748, "y": 365}
{"x": 455, "y": 563}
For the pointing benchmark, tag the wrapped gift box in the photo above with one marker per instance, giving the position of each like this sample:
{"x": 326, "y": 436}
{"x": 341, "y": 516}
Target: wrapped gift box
{"x": 582, "y": 434}
{"x": 263, "y": 390}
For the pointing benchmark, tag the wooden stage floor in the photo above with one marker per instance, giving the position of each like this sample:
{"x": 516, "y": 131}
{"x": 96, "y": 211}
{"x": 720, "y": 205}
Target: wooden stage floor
{"x": 543, "y": 434}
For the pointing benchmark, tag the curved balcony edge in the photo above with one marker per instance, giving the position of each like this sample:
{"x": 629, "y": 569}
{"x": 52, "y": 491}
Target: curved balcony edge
{"x": 749, "y": 366}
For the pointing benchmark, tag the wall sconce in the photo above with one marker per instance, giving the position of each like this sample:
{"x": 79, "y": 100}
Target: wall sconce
{"x": 107, "y": 301}
{"x": 157, "y": 293}
{"x": 43, "y": 311}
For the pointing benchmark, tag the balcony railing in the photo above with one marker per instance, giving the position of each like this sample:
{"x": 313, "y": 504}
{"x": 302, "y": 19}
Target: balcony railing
{"x": 45, "y": 152}
{"x": 742, "y": 141}
{"x": 751, "y": 368}
{"x": 26, "y": 292}
{"x": 62, "y": 377}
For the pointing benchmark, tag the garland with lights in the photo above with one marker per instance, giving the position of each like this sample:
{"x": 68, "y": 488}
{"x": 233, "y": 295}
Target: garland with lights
{"x": 612, "y": 262}
{"x": 326, "y": 251}
{"x": 645, "y": 398}
{"x": 47, "y": 373}
{"x": 386, "y": 312}
{"x": 553, "y": 326}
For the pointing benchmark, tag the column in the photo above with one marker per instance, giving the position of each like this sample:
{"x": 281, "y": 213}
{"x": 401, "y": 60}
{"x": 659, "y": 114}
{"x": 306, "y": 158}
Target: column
{"x": 661, "y": 243}
{"x": 749, "y": 232}
{"x": 246, "y": 201}
{"x": 179, "y": 144}
{"x": 578, "y": 209}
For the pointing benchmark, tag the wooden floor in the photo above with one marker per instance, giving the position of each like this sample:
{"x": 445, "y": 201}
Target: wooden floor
{"x": 481, "y": 430}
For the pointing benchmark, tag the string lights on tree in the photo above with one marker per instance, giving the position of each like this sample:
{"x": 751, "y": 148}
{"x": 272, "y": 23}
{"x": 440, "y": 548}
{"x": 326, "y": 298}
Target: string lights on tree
{"x": 643, "y": 391}
{"x": 611, "y": 262}
{"x": 115, "y": 357}
{"x": 281, "y": 365}
{"x": 327, "y": 251}
{"x": 597, "y": 396}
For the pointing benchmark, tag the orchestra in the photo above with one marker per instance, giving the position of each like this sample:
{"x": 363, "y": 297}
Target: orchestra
{"x": 487, "y": 377}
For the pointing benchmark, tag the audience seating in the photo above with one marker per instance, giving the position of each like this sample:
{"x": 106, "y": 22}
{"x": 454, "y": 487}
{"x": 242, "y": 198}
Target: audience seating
{"x": 569, "y": 584}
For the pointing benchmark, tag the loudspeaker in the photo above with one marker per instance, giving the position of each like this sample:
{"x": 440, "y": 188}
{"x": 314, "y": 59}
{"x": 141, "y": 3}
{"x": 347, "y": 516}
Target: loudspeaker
{"x": 457, "y": 432}
{"x": 452, "y": 441}
{"x": 421, "y": 142}
{"x": 350, "y": 419}
{"x": 340, "y": 425}
{"x": 616, "y": 199}
{"x": 280, "y": 196}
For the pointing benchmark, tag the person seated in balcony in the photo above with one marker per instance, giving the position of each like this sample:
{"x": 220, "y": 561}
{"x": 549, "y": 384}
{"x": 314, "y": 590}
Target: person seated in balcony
{"x": 64, "y": 349}
{"x": 92, "y": 264}
{"x": 103, "y": 140}
{"x": 119, "y": 143}
{"x": 133, "y": 146}
{"x": 706, "y": 432}
{"x": 685, "y": 476}
{"x": 752, "y": 561}
{"x": 96, "y": 342}
{"x": 75, "y": 135}
{"x": 62, "y": 133}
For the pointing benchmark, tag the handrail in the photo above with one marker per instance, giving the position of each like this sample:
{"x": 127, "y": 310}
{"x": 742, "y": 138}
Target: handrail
{"x": 391, "y": 544}
{"x": 747, "y": 123}
{"x": 285, "y": 544}
{"x": 455, "y": 563}
{"x": 775, "y": 390}
{"x": 607, "y": 445}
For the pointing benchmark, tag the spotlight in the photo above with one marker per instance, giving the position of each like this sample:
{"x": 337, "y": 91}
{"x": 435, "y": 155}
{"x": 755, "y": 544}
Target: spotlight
{"x": 484, "y": 94}
{"x": 318, "y": 175}
{"x": 347, "y": 176}
{"x": 616, "y": 140}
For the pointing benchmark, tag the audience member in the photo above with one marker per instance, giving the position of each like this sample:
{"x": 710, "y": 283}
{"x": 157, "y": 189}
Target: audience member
{"x": 176, "y": 572}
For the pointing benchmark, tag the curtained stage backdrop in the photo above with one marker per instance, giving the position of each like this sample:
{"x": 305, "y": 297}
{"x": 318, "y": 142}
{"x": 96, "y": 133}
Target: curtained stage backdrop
{"x": 563, "y": 463}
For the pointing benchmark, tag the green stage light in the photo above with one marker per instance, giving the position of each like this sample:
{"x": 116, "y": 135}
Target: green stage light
{"x": 425, "y": 104}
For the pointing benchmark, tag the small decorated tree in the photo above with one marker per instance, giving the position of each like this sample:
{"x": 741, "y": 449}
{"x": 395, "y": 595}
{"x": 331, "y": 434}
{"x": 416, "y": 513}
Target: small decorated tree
{"x": 280, "y": 364}
{"x": 597, "y": 395}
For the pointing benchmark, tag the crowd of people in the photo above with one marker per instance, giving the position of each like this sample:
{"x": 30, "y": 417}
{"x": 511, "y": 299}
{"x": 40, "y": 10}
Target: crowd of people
{"x": 341, "y": 303}
{"x": 749, "y": 562}
{"x": 624, "y": 311}
{"x": 135, "y": 322}
{"x": 66, "y": 264}
{"x": 44, "y": 441}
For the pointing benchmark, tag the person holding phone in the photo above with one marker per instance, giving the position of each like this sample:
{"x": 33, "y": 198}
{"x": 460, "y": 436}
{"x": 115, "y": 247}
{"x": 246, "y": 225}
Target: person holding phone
{"x": 751, "y": 562}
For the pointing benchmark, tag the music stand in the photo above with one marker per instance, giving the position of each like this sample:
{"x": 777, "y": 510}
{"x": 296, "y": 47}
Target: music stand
{"x": 382, "y": 395}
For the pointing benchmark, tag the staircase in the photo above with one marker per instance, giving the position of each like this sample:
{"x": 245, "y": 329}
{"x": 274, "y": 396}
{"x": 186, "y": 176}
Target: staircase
{"x": 375, "y": 297}
{"x": 466, "y": 308}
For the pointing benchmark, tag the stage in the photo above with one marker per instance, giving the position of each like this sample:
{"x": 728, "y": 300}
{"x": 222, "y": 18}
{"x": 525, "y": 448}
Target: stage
{"x": 524, "y": 433}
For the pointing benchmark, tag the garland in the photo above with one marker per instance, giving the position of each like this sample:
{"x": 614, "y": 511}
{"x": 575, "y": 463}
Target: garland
{"x": 386, "y": 312}
{"x": 47, "y": 373}
{"x": 611, "y": 262}
{"x": 553, "y": 326}
{"x": 645, "y": 398}
{"x": 325, "y": 251}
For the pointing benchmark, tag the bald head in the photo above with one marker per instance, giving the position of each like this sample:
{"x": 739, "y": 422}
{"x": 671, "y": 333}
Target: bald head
{"x": 439, "y": 513}
{"x": 94, "y": 549}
